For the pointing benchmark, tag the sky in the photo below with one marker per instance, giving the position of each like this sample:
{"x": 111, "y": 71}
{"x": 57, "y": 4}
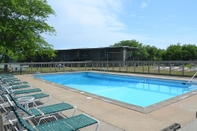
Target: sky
{"x": 101, "y": 23}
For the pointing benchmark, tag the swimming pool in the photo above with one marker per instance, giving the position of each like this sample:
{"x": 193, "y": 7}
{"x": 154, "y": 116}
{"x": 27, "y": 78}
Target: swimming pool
{"x": 139, "y": 91}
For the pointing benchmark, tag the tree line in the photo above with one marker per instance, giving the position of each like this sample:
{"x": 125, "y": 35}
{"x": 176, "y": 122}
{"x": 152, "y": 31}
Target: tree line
{"x": 152, "y": 53}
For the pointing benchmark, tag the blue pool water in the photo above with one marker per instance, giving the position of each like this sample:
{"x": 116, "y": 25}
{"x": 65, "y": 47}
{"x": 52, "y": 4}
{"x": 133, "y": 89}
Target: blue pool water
{"x": 140, "y": 91}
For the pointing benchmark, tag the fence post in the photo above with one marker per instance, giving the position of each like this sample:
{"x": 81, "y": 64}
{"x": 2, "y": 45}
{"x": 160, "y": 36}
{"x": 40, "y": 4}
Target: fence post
{"x": 170, "y": 69}
{"x": 31, "y": 68}
{"x": 127, "y": 67}
{"x": 92, "y": 65}
{"x": 183, "y": 69}
{"x": 143, "y": 66}
{"x": 41, "y": 67}
{"x": 158, "y": 68}
{"x": 119, "y": 66}
{"x": 63, "y": 65}
{"x": 50, "y": 65}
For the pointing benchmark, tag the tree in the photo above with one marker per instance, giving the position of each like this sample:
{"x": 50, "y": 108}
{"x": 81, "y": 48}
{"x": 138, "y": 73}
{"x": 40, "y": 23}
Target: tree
{"x": 161, "y": 54}
{"x": 22, "y": 24}
{"x": 174, "y": 52}
{"x": 152, "y": 52}
{"x": 142, "y": 53}
{"x": 130, "y": 43}
{"x": 189, "y": 52}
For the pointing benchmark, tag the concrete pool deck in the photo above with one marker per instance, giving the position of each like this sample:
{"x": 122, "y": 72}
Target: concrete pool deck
{"x": 117, "y": 118}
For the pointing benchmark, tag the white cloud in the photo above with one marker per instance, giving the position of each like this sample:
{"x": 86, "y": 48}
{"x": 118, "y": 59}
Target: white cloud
{"x": 168, "y": 17}
{"x": 98, "y": 14}
{"x": 141, "y": 17}
{"x": 188, "y": 28}
{"x": 144, "y": 4}
{"x": 88, "y": 23}
{"x": 133, "y": 15}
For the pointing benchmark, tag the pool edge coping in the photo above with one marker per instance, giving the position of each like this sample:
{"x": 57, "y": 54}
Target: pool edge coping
{"x": 144, "y": 110}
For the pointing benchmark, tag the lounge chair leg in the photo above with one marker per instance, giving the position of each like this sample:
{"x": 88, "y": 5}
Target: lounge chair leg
{"x": 34, "y": 104}
{"x": 75, "y": 108}
{"x": 12, "y": 125}
{"x": 2, "y": 99}
{"x": 3, "y": 108}
{"x": 48, "y": 100}
{"x": 98, "y": 123}
{"x": 1, "y": 122}
{"x": 97, "y": 126}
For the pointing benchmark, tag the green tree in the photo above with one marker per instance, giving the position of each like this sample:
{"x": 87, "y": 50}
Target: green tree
{"x": 130, "y": 43}
{"x": 189, "y": 52}
{"x": 161, "y": 54}
{"x": 174, "y": 52}
{"x": 140, "y": 54}
{"x": 153, "y": 53}
{"x": 143, "y": 54}
{"x": 22, "y": 25}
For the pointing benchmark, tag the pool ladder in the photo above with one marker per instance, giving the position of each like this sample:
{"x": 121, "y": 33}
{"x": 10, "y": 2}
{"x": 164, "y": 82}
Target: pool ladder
{"x": 104, "y": 70}
{"x": 192, "y": 77}
{"x": 37, "y": 73}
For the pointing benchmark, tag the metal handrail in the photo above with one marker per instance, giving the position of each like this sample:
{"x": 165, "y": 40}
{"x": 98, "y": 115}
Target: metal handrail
{"x": 192, "y": 77}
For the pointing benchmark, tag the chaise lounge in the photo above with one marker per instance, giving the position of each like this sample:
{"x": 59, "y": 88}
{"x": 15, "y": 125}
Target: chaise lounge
{"x": 66, "y": 124}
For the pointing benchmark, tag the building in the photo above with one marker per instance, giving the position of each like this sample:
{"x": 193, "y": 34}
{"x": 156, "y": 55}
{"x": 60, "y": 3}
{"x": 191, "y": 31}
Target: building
{"x": 122, "y": 53}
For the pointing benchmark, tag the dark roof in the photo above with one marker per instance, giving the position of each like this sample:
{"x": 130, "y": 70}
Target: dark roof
{"x": 112, "y": 47}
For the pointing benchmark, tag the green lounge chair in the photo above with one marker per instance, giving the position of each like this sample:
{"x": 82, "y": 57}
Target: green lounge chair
{"x": 24, "y": 93}
{"x": 66, "y": 124}
{"x": 15, "y": 87}
{"x": 52, "y": 109}
{"x": 11, "y": 83}
{"x": 32, "y": 90}
{"x": 8, "y": 79}
{"x": 46, "y": 111}
{"x": 37, "y": 96}
{"x": 6, "y": 75}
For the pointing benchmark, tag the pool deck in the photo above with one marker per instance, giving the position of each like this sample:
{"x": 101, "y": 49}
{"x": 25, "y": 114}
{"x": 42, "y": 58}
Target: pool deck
{"x": 117, "y": 118}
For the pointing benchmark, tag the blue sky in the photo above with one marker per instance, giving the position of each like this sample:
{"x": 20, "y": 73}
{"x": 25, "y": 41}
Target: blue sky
{"x": 101, "y": 23}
